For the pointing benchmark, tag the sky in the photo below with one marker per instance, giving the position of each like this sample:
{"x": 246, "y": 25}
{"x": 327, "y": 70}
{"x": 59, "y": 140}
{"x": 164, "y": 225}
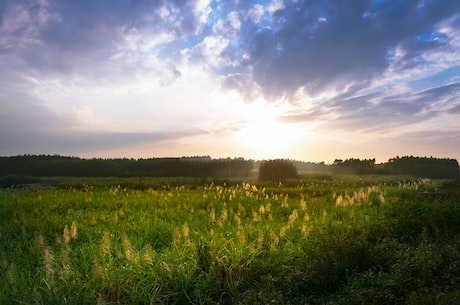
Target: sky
{"x": 314, "y": 80}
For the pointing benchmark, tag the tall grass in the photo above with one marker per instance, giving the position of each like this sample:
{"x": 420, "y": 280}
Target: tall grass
{"x": 337, "y": 243}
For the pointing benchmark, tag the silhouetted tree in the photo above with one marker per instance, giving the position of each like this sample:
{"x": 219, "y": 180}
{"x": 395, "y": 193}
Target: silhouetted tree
{"x": 278, "y": 170}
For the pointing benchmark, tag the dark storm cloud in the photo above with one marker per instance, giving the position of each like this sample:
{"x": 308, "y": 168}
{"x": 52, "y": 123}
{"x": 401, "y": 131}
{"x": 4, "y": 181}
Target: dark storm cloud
{"x": 331, "y": 44}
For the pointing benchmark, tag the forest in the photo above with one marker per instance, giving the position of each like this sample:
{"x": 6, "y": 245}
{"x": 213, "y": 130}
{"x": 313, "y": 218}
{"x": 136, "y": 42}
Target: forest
{"x": 23, "y": 166}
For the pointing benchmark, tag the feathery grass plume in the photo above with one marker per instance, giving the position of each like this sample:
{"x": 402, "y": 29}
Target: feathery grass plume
{"x": 283, "y": 231}
{"x": 185, "y": 233}
{"x": 275, "y": 240}
{"x": 212, "y": 216}
{"x": 255, "y": 216}
{"x": 324, "y": 215}
{"x": 305, "y": 230}
{"x": 105, "y": 245}
{"x": 49, "y": 258}
{"x": 148, "y": 254}
{"x": 303, "y": 203}
{"x": 268, "y": 207}
{"x": 65, "y": 260}
{"x": 260, "y": 240}
{"x": 237, "y": 219}
{"x": 306, "y": 217}
{"x": 241, "y": 235}
{"x": 130, "y": 253}
{"x": 339, "y": 201}
{"x": 73, "y": 231}
{"x": 292, "y": 218}
{"x": 262, "y": 209}
{"x": 285, "y": 203}
{"x": 66, "y": 234}
{"x": 176, "y": 236}
{"x": 222, "y": 218}
{"x": 241, "y": 208}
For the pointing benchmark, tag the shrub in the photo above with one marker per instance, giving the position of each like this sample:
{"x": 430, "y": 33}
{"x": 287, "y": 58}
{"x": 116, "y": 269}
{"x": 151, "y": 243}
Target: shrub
{"x": 278, "y": 170}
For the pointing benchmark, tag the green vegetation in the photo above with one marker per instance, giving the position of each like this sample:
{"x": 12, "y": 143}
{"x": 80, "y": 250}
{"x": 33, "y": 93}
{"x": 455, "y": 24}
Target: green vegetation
{"x": 346, "y": 240}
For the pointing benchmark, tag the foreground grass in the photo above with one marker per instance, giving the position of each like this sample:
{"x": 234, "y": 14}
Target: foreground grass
{"x": 335, "y": 242}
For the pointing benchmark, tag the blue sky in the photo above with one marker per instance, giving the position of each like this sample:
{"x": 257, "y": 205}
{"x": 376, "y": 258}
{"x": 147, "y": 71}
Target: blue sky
{"x": 307, "y": 80}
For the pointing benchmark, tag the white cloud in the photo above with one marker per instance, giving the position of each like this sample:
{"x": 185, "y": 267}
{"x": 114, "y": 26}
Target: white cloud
{"x": 228, "y": 27}
{"x": 207, "y": 53}
{"x": 256, "y": 13}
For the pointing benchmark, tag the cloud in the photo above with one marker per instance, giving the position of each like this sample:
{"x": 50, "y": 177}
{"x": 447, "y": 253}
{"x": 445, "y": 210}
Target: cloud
{"x": 284, "y": 46}
{"x": 26, "y": 126}
{"x": 71, "y": 37}
{"x": 317, "y": 45}
{"x": 31, "y": 124}
{"x": 382, "y": 111}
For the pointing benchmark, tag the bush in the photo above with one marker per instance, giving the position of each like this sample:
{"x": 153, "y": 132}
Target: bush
{"x": 278, "y": 170}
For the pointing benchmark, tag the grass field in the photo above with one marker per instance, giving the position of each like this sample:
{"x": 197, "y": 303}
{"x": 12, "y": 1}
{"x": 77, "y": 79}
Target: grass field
{"x": 340, "y": 240}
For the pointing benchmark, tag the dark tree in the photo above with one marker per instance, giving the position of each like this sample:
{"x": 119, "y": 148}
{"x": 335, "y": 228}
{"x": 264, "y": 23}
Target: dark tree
{"x": 278, "y": 170}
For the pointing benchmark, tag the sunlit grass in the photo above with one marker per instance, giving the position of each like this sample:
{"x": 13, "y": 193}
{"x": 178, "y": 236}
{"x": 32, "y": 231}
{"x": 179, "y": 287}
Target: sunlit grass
{"x": 213, "y": 245}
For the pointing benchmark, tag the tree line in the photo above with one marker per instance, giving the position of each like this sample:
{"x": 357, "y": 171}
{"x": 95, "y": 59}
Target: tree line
{"x": 206, "y": 167}
{"x": 426, "y": 167}
{"x": 55, "y": 165}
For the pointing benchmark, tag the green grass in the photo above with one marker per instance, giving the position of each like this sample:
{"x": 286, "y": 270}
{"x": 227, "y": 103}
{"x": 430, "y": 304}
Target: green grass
{"x": 341, "y": 240}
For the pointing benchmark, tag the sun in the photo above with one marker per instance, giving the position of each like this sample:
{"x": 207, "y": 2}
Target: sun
{"x": 268, "y": 138}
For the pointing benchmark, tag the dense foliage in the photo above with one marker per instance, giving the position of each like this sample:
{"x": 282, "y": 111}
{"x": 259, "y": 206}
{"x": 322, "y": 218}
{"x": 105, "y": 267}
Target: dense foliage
{"x": 26, "y": 169}
{"x": 434, "y": 168}
{"x": 350, "y": 240}
{"x": 46, "y": 166}
{"x": 278, "y": 170}
{"x": 424, "y": 167}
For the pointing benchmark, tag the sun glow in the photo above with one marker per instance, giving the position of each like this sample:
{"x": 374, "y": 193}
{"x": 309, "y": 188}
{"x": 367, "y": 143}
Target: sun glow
{"x": 268, "y": 137}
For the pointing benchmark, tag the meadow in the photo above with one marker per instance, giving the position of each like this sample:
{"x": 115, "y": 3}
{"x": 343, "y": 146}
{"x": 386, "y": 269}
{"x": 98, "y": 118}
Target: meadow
{"x": 326, "y": 240}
